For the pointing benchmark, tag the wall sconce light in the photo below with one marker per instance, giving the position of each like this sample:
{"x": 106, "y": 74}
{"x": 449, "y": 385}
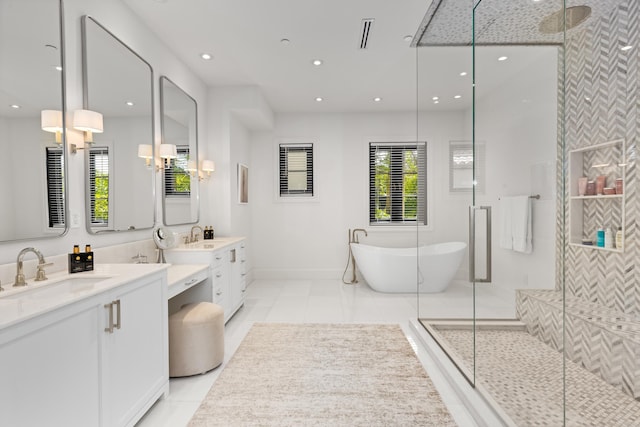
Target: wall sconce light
{"x": 208, "y": 166}
{"x": 51, "y": 121}
{"x": 192, "y": 168}
{"x": 145, "y": 151}
{"x": 168, "y": 152}
{"x": 88, "y": 122}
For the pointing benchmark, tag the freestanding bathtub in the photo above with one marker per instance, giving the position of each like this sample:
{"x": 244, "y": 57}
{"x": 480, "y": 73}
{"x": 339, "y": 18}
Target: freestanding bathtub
{"x": 394, "y": 270}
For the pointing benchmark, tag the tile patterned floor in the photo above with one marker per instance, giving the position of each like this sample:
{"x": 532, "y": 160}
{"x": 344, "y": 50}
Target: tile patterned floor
{"x": 525, "y": 377}
{"x": 319, "y": 301}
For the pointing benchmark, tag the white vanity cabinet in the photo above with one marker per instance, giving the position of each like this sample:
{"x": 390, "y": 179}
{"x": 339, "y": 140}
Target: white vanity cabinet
{"x": 49, "y": 372}
{"x": 227, "y": 264}
{"x": 67, "y": 367}
{"x": 134, "y": 351}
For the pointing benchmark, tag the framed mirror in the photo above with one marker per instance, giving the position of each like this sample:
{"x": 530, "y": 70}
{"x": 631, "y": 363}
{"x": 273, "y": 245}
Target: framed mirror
{"x": 179, "y": 119}
{"x": 118, "y": 83}
{"x": 33, "y": 176}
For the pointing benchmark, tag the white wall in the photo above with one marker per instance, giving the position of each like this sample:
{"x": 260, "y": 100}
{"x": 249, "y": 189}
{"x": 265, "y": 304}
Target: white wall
{"x": 124, "y": 24}
{"x": 308, "y": 238}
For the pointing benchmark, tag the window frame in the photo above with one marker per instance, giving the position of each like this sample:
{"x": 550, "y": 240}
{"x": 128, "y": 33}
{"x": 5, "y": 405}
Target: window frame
{"x": 311, "y": 169}
{"x": 91, "y": 223}
{"x": 168, "y": 175}
{"x": 423, "y": 217}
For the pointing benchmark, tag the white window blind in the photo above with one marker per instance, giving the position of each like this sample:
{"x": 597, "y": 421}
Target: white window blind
{"x": 296, "y": 170}
{"x": 99, "y": 185}
{"x": 55, "y": 187}
{"x": 397, "y": 183}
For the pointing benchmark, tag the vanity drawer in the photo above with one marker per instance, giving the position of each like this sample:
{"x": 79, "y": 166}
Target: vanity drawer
{"x": 186, "y": 282}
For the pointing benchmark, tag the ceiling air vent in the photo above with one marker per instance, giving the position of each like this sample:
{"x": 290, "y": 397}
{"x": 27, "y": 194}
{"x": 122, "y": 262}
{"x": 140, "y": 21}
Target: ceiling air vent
{"x": 365, "y": 32}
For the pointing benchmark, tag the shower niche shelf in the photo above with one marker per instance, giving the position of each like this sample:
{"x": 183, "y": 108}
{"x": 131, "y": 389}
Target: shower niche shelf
{"x": 589, "y": 213}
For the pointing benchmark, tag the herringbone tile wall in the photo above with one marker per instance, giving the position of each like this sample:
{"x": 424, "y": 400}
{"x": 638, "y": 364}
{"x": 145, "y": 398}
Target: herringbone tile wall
{"x": 602, "y": 104}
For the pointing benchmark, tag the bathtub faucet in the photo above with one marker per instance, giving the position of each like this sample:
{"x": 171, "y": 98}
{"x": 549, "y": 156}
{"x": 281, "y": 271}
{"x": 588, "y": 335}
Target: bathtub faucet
{"x": 354, "y": 235}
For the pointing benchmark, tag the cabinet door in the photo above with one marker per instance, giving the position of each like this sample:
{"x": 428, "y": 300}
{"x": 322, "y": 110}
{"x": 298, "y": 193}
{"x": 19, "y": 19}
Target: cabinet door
{"x": 50, "y": 376}
{"x": 237, "y": 272}
{"x": 135, "y": 353}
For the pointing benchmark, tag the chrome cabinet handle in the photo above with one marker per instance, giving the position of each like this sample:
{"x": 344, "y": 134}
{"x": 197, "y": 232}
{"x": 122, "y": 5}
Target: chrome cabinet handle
{"x": 472, "y": 244}
{"x": 191, "y": 282}
{"x": 110, "y": 308}
{"x": 233, "y": 255}
{"x": 118, "y": 319}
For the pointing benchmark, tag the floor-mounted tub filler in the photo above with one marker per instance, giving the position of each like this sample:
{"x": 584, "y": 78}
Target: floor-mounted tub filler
{"x": 394, "y": 270}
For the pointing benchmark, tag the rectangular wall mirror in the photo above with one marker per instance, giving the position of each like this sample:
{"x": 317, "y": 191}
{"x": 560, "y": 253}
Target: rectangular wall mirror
{"x": 179, "y": 118}
{"x": 32, "y": 179}
{"x": 120, "y": 182}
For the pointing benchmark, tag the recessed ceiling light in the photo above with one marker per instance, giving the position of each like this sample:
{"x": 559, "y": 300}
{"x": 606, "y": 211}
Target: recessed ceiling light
{"x": 14, "y": 106}
{"x": 317, "y": 62}
{"x": 205, "y": 56}
{"x": 627, "y": 47}
{"x": 436, "y": 102}
{"x": 377, "y": 99}
{"x": 458, "y": 96}
{"x": 407, "y": 38}
{"x": 464, "y": 73}
{"x": 285, "y": 41}
{"x": 57, "y": 67}
{"x": 318, "y": 99}
{"x": 129, "y": 103}
{"x": 435, "y": 98}
{"x": 502, "y": 58}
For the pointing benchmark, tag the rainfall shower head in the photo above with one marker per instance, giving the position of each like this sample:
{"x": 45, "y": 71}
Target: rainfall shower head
{"x": 555, "y": 23}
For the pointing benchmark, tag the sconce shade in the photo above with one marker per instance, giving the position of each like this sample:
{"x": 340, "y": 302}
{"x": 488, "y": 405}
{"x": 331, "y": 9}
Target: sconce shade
{"x": 87, "y": 121}
{"x": 168, "y": 151}
{"x": 145, "y": 151}
{"x": 51, "y": 120}
{"x": 208, "y": 166}
{"x": 192, "y": 166}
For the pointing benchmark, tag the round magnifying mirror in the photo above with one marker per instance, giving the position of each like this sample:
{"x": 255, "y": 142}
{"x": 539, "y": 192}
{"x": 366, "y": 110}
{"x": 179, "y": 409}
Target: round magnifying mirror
{"x": 164, "y": 239}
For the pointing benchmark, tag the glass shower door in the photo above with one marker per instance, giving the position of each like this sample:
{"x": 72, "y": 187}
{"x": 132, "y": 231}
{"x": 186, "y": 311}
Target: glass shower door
{"x": 517, "y": 118}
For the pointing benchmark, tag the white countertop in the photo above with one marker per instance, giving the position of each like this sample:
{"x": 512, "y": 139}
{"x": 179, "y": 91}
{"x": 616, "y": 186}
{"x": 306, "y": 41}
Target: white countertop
{"x": 207, "y": 245}
{"x": 60, "y": 289}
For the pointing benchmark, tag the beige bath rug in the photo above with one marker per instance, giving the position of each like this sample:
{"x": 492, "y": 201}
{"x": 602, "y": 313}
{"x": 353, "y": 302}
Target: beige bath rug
{"x": 323, "y": 374}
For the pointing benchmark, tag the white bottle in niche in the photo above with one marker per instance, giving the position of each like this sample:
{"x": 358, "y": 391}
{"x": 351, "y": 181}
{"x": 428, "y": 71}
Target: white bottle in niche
{"x": 608, "y": 238}
{"x": 619, "y": 238}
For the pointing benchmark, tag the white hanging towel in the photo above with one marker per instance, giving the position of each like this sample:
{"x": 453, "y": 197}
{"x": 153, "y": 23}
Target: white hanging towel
{"x": 506, "y": 236}
{"x": 521, "y": 224}
{"x": 515, "y": 224}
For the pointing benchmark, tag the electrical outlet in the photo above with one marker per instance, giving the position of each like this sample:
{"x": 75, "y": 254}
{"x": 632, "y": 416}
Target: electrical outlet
{"x": 75, "y": 220}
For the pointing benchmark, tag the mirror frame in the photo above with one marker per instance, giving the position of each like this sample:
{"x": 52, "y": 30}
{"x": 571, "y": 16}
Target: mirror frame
{"x": 85, "y": 105}
{"x": 63, "y": 136}
{"x": 197, "y": 142}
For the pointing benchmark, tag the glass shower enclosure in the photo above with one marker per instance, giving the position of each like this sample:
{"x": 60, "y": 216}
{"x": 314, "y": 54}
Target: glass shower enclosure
{"x": 531, "y": 152}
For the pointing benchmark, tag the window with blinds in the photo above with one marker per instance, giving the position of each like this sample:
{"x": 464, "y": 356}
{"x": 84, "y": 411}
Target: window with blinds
{"x": 177, "y": 181}
{"x": 99, "y": 185}
{"x": 55, "y": 187}
{"x": 296, "y": 170}
{"x": 397, "y": 183}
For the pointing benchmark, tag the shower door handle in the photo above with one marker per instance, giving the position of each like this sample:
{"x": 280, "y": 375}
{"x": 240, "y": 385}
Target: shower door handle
{"x": 472, "y": 244}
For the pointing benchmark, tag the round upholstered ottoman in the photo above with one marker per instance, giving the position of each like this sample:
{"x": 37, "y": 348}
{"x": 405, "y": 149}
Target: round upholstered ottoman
{"x": 196, "y": 339}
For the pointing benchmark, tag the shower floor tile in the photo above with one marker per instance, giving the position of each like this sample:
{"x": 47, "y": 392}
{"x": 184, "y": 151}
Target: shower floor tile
{"x": 524, "y": 376}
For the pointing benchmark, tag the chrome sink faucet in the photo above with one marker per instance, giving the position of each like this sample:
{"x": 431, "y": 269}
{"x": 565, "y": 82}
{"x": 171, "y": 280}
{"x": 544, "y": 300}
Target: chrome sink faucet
{"x": 193, "y": 238}
{"x": 40, "y": 274}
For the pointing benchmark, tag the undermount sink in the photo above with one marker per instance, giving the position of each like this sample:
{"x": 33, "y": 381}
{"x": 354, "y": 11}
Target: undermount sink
{"x": 63, "y": 288}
